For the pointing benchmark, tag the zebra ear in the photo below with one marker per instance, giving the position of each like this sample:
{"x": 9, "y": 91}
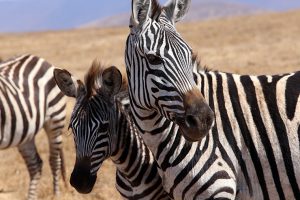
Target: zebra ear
{"x": 111, "y": 81}
{"x": 140, "y": 11}
{"x": 66, "y": 83}
{"x": 177, "y": 9}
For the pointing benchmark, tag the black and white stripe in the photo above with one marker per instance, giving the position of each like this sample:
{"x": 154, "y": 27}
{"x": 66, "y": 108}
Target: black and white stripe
{"x": 258, "y": 128}
{"x": 252, "y": 151}
{"x": 30, "y": 101}
{"x": 160, "y": 77}
{"x": 102, "y": 128}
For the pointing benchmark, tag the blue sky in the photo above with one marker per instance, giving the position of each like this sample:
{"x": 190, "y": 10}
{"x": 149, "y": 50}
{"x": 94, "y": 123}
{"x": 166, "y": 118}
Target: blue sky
{"x": 54, "y": 14}
{"x": 31, "y": 15}
{"x": 273, "y": 4}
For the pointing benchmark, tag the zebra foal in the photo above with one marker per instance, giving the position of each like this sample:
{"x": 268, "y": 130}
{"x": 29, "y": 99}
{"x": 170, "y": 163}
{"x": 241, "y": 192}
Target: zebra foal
{"x": 102, "y": 128}
{"x": 254, "y": 133}
{"x": 29, "y": 101}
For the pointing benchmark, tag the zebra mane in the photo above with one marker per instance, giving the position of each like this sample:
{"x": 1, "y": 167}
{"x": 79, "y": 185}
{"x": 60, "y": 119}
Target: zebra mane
{"x": 93, "y": 78}
{"x": 197, "y": 61}
{"x": 156, "y": 9}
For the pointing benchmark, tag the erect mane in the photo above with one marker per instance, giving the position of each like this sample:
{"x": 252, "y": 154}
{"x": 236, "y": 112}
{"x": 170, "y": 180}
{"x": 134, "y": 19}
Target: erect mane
{"x": 196, "y": 60}
{"x": 93, "y": 79}
{"x": 155, "y": 9}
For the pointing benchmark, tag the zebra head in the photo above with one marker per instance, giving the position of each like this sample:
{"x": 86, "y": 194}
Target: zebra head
{"x": 92, "y": 121}
{"x": 160, "y": 68}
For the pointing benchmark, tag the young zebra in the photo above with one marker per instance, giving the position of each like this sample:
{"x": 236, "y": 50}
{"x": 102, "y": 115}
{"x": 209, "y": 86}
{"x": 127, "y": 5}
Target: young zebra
{"x": 102, "y": 128}
{"x": 257, "y": 128}
{"x": 30, "y": 100}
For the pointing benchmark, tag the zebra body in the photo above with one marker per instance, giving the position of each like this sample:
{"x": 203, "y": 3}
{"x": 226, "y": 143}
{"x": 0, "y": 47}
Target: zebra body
{"x": 188, "y": 170}
{"x": 258, "y": 128}
{"x": 242, "y": 156}
{"x": 102, "y": 127}
{"x": 168, "y": 108}
{"x": 30, "y": 100}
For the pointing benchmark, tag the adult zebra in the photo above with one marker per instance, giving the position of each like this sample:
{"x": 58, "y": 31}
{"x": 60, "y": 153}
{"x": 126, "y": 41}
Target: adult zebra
{"x": 102, "y": 128}
{"x": 256, "y": 130}
{"x": 30, "y": 100}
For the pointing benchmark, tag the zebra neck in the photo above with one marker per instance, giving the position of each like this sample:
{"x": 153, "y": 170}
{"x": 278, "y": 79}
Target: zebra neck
{"x": 128, "y": 145}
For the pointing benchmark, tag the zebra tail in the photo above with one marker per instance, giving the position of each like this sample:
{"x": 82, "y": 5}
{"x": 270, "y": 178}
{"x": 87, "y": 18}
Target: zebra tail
{"x": 63, "y": 167}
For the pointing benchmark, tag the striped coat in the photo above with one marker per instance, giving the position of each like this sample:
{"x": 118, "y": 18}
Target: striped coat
{"x": 102, "y": 126}
{"x": 249, "y": 148}
{"x": 258, "y": 129}
{"x": 30, "y": 101}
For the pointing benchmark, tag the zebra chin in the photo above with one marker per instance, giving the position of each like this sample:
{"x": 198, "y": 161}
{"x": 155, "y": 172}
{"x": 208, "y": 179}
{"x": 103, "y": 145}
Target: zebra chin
{"x": 193, "y": 134}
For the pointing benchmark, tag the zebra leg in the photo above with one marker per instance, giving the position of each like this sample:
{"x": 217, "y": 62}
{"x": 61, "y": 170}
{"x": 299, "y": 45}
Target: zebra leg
{"x": 54, "y": 133}
{"x": 34, "y": 165}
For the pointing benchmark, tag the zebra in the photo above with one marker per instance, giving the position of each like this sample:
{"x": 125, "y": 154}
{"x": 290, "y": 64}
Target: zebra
{"x": 255, "y": 130}
{"x": 102, "y": 128}
{"x": 30, "y": 100}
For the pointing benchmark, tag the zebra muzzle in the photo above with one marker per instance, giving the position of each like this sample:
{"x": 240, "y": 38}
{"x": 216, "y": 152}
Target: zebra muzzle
{"x": 194, "y": 128}
{"x": 198, "y": 118}
{"x": 81, "y": 178}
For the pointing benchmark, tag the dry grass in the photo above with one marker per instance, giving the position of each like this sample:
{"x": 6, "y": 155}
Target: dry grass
{"x": 268, "y": 43}
{"x": 252, "y": 44}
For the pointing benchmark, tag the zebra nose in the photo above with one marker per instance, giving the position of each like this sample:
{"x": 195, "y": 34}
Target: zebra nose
{"x": 204, "y": 118}
{"x": 81, "y": 178}
{"x": 198, "y": 118}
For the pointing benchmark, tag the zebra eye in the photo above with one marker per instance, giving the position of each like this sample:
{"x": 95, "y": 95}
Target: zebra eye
{"x": 154, "y": 59}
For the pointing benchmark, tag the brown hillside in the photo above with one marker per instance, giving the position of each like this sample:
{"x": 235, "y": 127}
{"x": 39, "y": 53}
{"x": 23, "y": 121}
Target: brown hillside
{"x": 267, "y": 43}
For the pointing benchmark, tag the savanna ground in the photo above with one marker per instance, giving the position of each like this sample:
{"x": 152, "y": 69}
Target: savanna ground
{"x": 268, "y": 43}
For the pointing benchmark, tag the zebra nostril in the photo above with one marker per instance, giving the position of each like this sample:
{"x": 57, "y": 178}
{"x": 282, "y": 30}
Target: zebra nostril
{"x": 191, "y": 121}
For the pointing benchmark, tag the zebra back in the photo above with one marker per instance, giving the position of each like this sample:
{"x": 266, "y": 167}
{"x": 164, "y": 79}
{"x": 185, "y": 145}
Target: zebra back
{"x": 29, "y": 97}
